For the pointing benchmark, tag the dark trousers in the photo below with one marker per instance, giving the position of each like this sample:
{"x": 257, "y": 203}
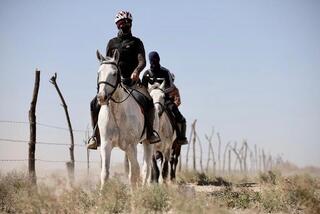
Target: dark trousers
{"x": 94, "y": 110}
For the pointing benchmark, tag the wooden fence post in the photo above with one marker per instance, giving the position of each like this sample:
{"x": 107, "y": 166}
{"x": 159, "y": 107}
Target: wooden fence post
{"x": 88, "y": 151}
{"x": 245, "y": 144}
{"x": 229, "y": 165}
{"x": 200, "y": 146}
{"x": 256, "y": 157}
{"x": 194, "y": 147}
{"x": 33, "y": 131}
{"x": 219, "y": 150}
{"x": 213, "y": 160}
{"x": 210, "y": 152}
{"x": 70, "y": 165}
{"x": 190, "y": 138}
{"x": 224, "y": 157}
{"x": 264, "y": 160}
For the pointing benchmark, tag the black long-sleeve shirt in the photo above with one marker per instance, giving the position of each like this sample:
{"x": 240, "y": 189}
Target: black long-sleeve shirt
{"x": 158, "y": 75}
{"x": 132, "y": 53}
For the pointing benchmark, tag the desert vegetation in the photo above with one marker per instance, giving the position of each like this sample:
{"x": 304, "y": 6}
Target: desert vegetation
{"x": 193, "y": 192}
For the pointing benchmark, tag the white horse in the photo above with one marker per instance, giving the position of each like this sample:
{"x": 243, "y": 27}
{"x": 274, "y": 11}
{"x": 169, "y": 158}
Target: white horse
{"x": 165, "y": 130}
{"x": 120, "y": 122}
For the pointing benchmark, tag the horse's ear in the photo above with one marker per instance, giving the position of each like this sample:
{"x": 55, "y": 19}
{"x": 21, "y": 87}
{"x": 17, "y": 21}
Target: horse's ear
{"x": 99, "y": 56}
{"x": 116, "y": 55}
{"x": 162, "y": 84}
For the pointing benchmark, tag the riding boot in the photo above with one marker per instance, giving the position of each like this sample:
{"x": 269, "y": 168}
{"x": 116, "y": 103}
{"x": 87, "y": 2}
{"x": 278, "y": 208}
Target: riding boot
{"x": 181, "y": 125}
{"x": 151, "y": 136}
{"x": 94, "y": 140}
{"x": 181, "y": 138}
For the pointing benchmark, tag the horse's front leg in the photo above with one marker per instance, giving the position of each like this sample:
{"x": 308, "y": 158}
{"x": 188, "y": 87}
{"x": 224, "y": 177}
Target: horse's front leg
{"x": 147, "y": 161}
{"x": 134, "y": 171}
{"x": 105, "y": 150}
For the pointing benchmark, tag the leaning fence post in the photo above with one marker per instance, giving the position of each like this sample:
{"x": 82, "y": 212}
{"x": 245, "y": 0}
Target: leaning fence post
{"x": 33, "y": 131}
{"x": 70, "y": 164}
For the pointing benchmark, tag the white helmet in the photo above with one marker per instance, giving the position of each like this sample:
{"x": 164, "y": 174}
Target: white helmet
{"x": 123, "y": 15}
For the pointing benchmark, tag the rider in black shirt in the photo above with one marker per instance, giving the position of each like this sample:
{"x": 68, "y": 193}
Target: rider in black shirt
{"x": 131, "y": 62}
{"x": 157, "y": 73}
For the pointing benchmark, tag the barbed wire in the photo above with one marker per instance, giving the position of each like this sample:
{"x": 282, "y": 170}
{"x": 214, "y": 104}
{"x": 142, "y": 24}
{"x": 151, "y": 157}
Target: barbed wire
{"x": 5, "y": 140}
{"x": 42, "y": 124}
{"x": 47, "y": 161}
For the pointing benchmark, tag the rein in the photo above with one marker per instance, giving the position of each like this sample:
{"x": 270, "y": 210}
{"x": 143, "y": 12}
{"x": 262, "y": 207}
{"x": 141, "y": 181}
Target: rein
{"x": 116, "y": 85}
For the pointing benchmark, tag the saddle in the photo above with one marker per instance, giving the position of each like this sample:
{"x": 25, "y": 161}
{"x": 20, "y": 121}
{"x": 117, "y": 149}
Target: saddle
{"x": 140, "y": 94}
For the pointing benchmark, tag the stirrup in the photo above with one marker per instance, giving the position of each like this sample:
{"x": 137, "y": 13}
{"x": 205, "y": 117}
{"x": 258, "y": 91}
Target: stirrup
{"x": 92, "y": 143}
{"x": 155, "y": 135}
{"x": 182, "y": 141}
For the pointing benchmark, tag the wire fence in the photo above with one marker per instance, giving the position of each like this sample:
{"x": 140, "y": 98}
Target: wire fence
{"x": 46, "y": 161}
{"x": 26, "y": 142}
{"x": 202, "y": 161}
{"x": 4, "y": 140}
{"x": 43, "y": 125}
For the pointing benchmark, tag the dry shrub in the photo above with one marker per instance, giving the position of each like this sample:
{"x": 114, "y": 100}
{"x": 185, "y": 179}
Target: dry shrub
{"x": 184, "y": 199}
{"x": 201, "y": 179}
{"x": 302, "y": 192}
{"x": 187, "y": 177}
{"x": 243, "y": 198}
{"x": 270, "y": 177}
{"x": 15, "y": 188}
{"x": 18, "y": 195}
{"x": 152, "y": 199}
{"x": 115, "y": 198}
{"x": 292, "y": 194}
{"x": 272, "y": 200}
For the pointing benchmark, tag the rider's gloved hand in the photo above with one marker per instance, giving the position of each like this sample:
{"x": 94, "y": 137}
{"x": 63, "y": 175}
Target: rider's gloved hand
{"x": 135, "y": 76}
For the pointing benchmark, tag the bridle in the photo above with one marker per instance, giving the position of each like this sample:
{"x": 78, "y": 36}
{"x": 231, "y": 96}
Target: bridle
{"x": 161, "y": 105}
{"x": 118, "y": 82}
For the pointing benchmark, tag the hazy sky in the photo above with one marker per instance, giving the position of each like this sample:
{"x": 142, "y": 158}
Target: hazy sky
{"x": 251, "y": 69}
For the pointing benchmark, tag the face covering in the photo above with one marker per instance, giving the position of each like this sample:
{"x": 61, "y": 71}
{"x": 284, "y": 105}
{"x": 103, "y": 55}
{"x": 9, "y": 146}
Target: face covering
{"x": 125, "y": 29}
{"x": 124, "y": 26}
{"x": 154, "y": 59}
{"x": 154, "y": 65}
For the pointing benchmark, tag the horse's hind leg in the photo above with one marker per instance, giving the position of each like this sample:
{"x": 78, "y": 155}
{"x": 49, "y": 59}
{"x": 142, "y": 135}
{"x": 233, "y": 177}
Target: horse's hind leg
{"x": 134, "y": 171}
{"x": 106, "y": 149}
{"x": 174, "y": 161}
{"x": 165, "y": 170}
{"x": 172, "y": 168}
